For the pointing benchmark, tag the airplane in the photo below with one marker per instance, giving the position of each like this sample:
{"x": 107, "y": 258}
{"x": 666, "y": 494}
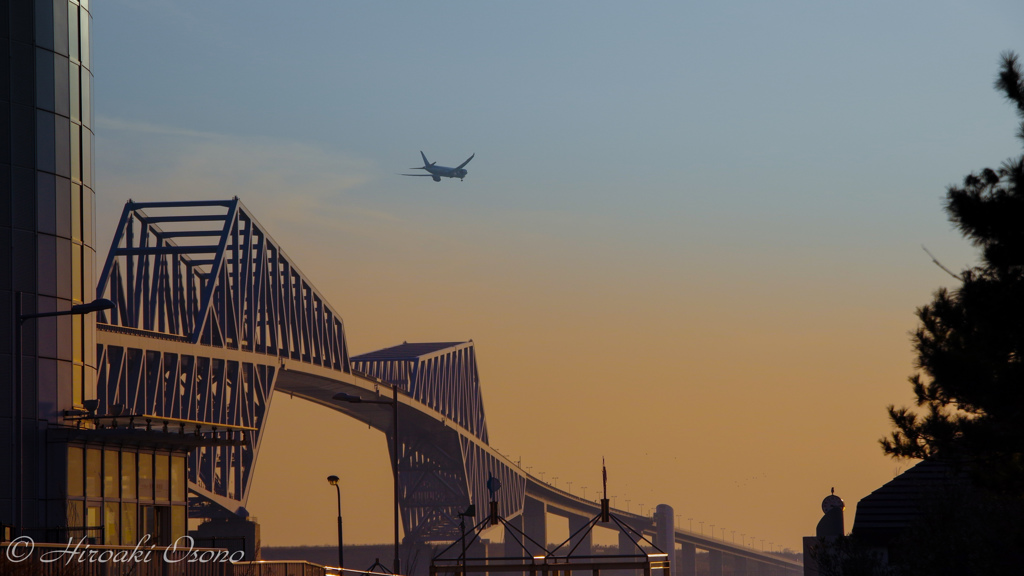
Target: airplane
{"x": 437, "y": 172}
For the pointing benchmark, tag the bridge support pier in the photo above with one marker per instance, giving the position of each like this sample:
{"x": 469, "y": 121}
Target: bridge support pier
{"x": 739, "y": 565}
{"x": 665, "y": 528}
{"x": 686, "y": 560}
{"x": 714, "y": 562}
{"x": 513, "y": 540}
{"x": 535, "y": 523}
{"x": 585, "y": 547}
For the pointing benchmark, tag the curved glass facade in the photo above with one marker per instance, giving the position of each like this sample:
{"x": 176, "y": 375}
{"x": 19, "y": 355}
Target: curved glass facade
{"x": 46, "y": 236}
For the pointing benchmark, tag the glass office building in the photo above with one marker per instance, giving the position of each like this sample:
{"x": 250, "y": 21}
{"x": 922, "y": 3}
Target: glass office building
{"x": 60, "y": 476}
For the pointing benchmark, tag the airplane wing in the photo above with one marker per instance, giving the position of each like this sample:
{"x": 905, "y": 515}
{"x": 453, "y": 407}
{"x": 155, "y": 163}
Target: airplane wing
{"x": 415, "y": 174}
{"x": 466, "y": 162}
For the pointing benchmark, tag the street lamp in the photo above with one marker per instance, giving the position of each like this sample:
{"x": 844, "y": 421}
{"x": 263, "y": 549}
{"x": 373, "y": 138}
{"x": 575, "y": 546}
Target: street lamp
{"x": 342, "y": 396}
{"x": 333, "y": 481}
{"x": 76, "y": 310}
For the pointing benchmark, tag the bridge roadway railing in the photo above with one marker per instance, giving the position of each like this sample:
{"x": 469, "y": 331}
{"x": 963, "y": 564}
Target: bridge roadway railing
{"x": 543, "y": 498}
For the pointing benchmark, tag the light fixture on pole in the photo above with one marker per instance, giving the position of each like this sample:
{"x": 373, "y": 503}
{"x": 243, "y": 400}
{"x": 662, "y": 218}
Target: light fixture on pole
{"x": 76, "y": 310}
{"x": 333, "y": 481}
{"x": 344, "y": 397}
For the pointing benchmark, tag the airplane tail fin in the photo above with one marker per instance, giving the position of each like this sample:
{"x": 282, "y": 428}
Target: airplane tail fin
{"x": 425, "y": 161}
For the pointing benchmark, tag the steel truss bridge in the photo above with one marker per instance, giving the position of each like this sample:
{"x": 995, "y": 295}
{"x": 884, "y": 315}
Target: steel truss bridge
{"x": 212, "y": 317}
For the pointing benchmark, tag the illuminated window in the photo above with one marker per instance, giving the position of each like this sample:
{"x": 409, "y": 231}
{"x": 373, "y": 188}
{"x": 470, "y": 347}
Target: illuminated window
{"x": 179, "y": 522}
{"x": 145, "y": 476}
{"x": 128, "y": 475}
{"x": 93, "y": 473}
{"x": 111, "y": 523}
{"x": 161, "y": 477}
{"x": 111, "y": 474}
{"x": 92, "y": 521}
{"x": 178, "y": 478}
{"x": 129, "y": 523}
{"x": 76, "y": 519}
{"x": 76, "y": 470}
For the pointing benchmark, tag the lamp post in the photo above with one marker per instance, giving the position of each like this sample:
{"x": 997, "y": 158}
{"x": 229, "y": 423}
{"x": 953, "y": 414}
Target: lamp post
{"x": 19, "y": 410}
{"x": 342, "y": 396}
{"x": 333, "y": 481}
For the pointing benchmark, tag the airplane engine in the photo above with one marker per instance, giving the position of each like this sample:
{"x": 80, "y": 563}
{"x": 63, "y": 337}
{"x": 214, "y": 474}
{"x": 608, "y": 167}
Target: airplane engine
{"x": 437, "y": 178}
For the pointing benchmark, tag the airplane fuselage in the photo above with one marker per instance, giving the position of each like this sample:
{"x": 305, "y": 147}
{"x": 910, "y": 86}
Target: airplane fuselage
{"x": 437, "y": 172}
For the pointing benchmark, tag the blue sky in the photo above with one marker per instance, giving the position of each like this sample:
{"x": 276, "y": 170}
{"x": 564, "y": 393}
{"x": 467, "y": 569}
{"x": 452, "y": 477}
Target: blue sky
{"x": 675, "y": 176}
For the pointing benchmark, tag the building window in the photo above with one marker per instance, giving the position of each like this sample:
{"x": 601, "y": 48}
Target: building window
{"x": 129, "y": 521}
{"x": 111, "y": 524}
{"x": 92, "y": 522}
{"x": 145, "y": 476}
{"x": 178, "y": 478}
{"x": 76, "y": 519}
{"x": 76, "y": 472}
{"x": 179, "y": 522}
{"x": 111, "y": 474}
{"x": 93, "y": 473}
{"x": 161, "y": 477}
{"x": 128, "y": 475}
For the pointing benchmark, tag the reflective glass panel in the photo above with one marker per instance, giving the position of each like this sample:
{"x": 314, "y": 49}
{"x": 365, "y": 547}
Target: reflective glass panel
{"x": 75, "y": 206}
{"x": 76, "y": 278}
{"x": 145, "y": 476}
{"x": 161, "y": 477}
{"x": 87, "y": 157}
{"x": 179, "y": 522}
{"x": 76, "y": 471}
{"x": 76, "y": 155}
{"x": 87, "y": 98}
{"x": 62, "y": 145}
{"x": 111, "y": 523}
{"x": 76, "y": 519}
{"x": 129, "y": 524}
{"x": 46, "y": 202}
{"x": 77, "y": 341}
{"x": 128, "y": 475}
{"x": 92, "y": 521}
{"x": 77, "y": 386}
{"x": 88, "y": 216}
{"x": 76, "y": 91}
{"x": 93, "y": 472}
{"x": 84, "y": 24}
{"x": 73, "y": 32}
{"x": 76, "y": 212}
{"x": 44, "y": 79}
{"x": 62, "y": 86}
{"x": 111, "y": 474}
{"x": 178, "y": 478}
{"x": 46, "y": 145}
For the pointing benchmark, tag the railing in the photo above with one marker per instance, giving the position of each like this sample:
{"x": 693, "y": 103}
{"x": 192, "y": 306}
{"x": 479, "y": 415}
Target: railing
{"x": 280, "y": 568}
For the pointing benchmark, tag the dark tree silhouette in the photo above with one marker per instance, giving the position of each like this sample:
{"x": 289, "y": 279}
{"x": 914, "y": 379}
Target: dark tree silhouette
{"x": 970, "y": 343}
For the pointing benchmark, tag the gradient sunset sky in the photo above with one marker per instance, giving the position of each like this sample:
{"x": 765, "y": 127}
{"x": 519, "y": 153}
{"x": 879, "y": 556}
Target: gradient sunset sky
{"x": 689, "y": 243}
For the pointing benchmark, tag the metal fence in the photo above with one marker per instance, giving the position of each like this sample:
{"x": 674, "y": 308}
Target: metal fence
{"x": 279, "y": 568}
